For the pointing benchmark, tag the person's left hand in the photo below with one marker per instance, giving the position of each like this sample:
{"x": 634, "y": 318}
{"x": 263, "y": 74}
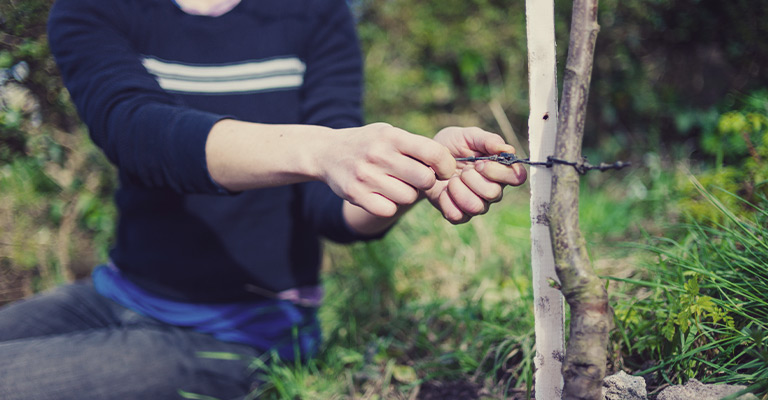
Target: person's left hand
{"x": 475, "y": 185}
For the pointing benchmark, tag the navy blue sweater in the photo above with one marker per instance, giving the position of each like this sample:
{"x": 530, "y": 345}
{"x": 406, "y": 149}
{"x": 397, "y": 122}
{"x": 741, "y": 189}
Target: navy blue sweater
{"x": 150, "y": 81}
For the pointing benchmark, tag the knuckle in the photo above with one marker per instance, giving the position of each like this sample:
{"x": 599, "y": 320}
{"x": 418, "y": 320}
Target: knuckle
{"x": 380, "y": 126}
{"x": 375, "y": 154}
{"x": 351, "y": 192}
{"x": 361, "y": 173}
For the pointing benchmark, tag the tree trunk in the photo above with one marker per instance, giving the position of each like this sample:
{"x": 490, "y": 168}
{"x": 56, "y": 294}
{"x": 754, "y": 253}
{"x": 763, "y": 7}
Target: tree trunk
{"x": 542, "y": 130}
{"x": 591, "y": 316}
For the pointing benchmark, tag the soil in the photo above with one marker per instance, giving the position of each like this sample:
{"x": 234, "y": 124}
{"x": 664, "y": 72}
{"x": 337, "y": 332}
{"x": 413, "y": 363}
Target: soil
{"x": 438, "y": 390}
{"x": 460, "y": 390}
{"x": 14, "y": 284}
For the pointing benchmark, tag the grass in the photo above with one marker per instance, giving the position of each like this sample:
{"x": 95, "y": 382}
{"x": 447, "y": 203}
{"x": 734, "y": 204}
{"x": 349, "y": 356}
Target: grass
{"x": 434, "y": 301}
{"x": 701, "y": 310}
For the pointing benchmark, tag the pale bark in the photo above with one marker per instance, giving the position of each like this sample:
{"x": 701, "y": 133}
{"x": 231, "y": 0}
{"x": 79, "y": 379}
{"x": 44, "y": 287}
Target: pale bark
{"x": 542, "y": 128}
{"x": 591, "y": 315}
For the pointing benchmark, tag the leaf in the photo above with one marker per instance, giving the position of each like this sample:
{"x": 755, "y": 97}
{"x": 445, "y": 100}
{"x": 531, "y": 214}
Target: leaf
{"x": 219, "y": 355}
{"x": 692, "y": 286}
{"x": 404, "y": 374}
{"x": 195, "y": 396}
{"x": 668, "y": 330}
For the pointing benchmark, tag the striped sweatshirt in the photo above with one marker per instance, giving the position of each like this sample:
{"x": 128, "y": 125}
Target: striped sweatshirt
{"x": 149, "y": 81}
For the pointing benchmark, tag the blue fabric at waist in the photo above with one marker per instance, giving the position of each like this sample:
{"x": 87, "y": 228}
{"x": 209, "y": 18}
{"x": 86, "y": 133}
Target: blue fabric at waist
{"x": 272, "y": 324}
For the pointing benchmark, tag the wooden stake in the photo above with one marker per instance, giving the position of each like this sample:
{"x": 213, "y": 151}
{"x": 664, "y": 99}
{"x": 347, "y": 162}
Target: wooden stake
{"x": 542, "y": 129}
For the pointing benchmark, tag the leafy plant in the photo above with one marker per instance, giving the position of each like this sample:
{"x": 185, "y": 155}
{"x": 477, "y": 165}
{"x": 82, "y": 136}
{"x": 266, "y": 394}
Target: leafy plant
{"x": 693, "y": 309}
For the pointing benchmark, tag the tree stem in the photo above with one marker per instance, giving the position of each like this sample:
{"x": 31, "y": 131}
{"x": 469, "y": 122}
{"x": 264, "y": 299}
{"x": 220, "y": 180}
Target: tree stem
{"x": 591, "y": 316}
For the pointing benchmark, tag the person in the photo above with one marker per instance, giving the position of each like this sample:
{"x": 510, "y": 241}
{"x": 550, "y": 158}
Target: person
{"x": 236, "y": 129}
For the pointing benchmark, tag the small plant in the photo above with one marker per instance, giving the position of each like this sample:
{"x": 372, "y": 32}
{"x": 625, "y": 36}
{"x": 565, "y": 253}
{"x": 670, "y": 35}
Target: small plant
{"x": 693, "y": 309}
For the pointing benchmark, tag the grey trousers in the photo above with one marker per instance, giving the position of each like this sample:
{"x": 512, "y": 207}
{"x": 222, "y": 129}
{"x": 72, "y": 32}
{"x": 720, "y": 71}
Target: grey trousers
{"x": 72, "y": 343}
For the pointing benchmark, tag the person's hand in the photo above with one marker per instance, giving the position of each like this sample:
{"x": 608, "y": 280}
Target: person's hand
{"x": 474, "y": 185}
{"x": 380, "y": 168}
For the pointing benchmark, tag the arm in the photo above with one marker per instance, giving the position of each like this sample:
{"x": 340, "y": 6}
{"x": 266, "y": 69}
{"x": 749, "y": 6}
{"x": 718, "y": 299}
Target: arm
{"x": 377, "y": 168}
{"x": 147, "y": 133}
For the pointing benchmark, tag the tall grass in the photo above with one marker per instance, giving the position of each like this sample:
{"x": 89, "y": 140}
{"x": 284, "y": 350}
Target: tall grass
{"x": 437, "y": 302}
{"x": 702, "y": 307}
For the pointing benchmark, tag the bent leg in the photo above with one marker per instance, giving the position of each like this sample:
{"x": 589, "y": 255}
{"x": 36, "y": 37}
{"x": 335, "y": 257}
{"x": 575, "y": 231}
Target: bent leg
{"x": 72, "y": 343}
{"x": 141, "y": 362}
{"x": 68, "y": 308}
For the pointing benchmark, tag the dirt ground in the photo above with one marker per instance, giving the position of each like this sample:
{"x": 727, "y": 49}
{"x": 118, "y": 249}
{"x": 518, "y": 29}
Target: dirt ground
{"x": 14, "y": 284}
{"x": 460, "y": 390}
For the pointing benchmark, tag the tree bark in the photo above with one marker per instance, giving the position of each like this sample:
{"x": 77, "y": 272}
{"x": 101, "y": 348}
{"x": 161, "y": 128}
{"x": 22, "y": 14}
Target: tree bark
{"x": 542, "y": 130}
{"x": 591, "y": 315}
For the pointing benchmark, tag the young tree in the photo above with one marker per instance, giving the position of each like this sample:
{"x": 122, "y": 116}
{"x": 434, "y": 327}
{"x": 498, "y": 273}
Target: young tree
{"x": 591, "y": 316}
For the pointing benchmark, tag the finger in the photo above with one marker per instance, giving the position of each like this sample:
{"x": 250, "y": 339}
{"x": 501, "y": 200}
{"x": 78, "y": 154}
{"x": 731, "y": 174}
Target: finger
{"x": 480, "y": 185}
{"x": 466, "y": 200}
{"x": 377, "y": 192}
{"x": 428, "y": 152}
{"x": 513, "y": 175}
{"x": 377, "y": 205}
{"x": 450, "y": 210}
{"x": 412, "y": 172}
{"x": 397, "y": 191}
{"x": 485, "y": 143}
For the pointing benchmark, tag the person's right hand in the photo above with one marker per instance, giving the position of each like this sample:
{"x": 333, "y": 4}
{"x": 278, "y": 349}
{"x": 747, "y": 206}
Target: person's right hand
{"x": 379, "y": 167}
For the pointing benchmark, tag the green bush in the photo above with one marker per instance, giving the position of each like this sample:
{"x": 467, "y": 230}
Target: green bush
{"x": 739, "y": 147}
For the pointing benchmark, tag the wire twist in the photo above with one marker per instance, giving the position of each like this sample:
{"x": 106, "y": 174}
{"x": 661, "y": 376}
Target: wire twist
{"x": 582, "y": 166}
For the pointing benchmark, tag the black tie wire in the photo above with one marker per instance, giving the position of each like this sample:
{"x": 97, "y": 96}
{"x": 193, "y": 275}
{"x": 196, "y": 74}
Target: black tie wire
{"x": 582, "y": 167}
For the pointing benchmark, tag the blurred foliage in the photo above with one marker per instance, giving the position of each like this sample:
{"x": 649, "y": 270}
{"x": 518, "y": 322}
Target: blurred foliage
{"x": 431, "y": 64}
{"x": 738, "y": 145}
{"x": 662, "y": 71}
{"x": 56, "y": 216}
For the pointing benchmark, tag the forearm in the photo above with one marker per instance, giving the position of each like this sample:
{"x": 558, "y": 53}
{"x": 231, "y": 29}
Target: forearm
{"x": 243, "y": 155}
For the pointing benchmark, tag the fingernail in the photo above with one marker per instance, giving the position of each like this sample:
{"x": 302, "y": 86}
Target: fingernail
{"x": 521, "y": 173}
{"x": 480, "y": 166}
